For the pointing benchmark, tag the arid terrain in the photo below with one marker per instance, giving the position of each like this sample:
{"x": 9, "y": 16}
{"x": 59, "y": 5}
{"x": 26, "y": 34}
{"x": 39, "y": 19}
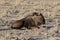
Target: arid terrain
{"x": 12, "y": 10}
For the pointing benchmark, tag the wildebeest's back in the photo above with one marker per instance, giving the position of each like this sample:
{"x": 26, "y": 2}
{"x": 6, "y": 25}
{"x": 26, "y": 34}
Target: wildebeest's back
{"x": 18, "y": 24}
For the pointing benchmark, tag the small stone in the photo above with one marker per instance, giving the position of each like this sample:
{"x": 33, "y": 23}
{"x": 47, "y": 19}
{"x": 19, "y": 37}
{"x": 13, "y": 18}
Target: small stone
{"x": 32, "y": 38}
{"x": 48, "y": 27}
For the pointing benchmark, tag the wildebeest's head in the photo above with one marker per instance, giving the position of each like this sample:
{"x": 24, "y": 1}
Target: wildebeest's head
{"x": 38, "y": 18}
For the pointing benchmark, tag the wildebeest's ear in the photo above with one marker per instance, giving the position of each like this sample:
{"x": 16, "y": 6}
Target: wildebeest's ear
{"x": 35, "y": 13}
{"x": 41, "y": 14}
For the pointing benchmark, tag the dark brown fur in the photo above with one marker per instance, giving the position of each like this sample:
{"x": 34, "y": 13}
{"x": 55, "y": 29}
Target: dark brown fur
{"x": 30, "y": 21}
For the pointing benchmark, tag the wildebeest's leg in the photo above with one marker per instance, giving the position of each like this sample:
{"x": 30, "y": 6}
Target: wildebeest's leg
{"x": 26, "y": 23}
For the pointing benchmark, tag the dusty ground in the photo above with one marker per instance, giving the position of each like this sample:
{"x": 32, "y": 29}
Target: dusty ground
{"x": 11, "y": 10}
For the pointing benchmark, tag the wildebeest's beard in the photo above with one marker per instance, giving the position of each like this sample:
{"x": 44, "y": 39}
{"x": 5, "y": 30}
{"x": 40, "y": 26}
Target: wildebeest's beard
{"x": 42, "y": 18}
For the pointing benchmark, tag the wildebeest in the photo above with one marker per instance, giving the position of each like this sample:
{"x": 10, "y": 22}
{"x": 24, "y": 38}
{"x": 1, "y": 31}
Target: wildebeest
{"x": 28, "y": 22}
